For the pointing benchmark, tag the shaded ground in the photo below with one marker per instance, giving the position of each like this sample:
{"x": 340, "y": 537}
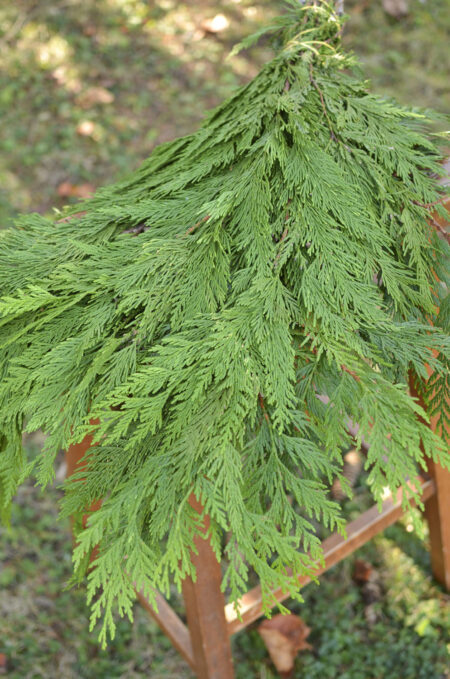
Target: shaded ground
{"x": 399, "y": 633}
{"x": 87, "y": 89}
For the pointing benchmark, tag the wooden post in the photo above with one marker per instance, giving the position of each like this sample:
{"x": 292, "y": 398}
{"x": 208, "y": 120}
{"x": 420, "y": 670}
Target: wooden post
{"x": 205, "y": 611}
{"x": 437, "y": 514}
{"x": 74, "y": 455}
{"x": 76, "y": 452}
{"x": 437, "y": 508}
{"x": 437, "y": 511}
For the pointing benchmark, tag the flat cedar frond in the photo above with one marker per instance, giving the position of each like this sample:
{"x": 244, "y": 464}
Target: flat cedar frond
{"x": 199, "y": 309}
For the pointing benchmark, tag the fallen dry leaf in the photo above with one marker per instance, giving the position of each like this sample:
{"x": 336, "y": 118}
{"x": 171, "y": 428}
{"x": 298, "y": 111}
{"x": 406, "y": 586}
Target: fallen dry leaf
{"x": 284, "y": 636}
{"x": 3, "y": 663}
{"x": 362, "y": 571}
{"x": 68, "y": 190}
{"x": 93, "y": 96}
{"x": 396, "y": 8}
{"x": 90, "y": 30}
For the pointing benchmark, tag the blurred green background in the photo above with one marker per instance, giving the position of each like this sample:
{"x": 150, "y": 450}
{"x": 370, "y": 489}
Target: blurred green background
{"x": 87, "y": 89}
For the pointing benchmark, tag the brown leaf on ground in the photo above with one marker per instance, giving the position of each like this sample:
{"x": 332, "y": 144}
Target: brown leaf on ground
{"x": 362, "y": 571}
{"x": 69, "y": 190}
{"x": 90, "y": 30}
{"x": 284, "y": 636}
{"x": 93, "y": 96}
{"x": 396, "y": 8}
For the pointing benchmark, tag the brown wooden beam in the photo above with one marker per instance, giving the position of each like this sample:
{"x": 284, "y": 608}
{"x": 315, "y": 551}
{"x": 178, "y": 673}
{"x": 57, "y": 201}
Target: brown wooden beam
{"x": 172, "y": 626}
{"x": 335, "y": 548}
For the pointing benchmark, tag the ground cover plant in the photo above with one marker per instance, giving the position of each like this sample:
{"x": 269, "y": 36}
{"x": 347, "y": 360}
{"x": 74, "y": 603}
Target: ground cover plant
{"x": 144, "y": 232}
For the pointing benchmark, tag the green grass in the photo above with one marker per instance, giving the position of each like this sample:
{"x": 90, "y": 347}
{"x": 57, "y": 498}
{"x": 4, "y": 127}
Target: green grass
{"x": 139, "y": 73}
{"x": 131, "y": 74}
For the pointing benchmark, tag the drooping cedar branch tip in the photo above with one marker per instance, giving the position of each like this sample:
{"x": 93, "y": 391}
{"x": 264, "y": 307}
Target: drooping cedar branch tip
{"x": 223, "y": 312}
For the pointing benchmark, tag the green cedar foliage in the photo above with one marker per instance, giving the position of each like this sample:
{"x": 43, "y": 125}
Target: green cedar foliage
{"x": 199, "y": 308}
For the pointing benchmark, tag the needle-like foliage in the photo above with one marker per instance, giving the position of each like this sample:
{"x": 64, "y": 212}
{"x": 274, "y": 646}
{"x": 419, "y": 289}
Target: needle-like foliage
{"x": 198, "y": 310}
